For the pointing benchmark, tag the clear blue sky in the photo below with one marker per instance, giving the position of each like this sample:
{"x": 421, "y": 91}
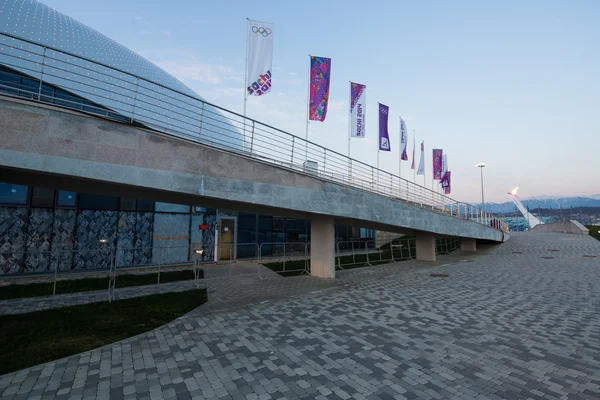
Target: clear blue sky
{"x": 514, "y": 84}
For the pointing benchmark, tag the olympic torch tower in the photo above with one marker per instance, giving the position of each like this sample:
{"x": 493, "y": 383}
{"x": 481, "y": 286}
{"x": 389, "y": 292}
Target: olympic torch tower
{"x": 531, "y": 220}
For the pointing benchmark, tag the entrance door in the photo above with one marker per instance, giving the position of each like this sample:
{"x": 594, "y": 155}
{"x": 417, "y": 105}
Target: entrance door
{"x": 227, "y": 239}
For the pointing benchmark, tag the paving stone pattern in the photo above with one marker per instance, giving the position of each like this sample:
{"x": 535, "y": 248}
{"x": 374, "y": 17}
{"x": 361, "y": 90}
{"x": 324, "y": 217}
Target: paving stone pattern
{"x": 501, "y": 326}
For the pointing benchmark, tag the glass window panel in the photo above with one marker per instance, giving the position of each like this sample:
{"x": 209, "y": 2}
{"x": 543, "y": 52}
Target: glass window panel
{"x": 265, "y": 224}
{"x": 98, "y": 202}
{"x": 278, "y": 224}
{"x": 174, "y": 208}
{"x": 247, "y": 221}
{"x": 145, "y": 205}
{"x": 66, "y": 199}
{"x": 42, "y": 197}
{"x": 13, "y": 194}
{"x": 30, "y": 87}
{"x": 127, "y": 204}
{"x": 70, "y": 101}
{"x": 9, "y": 81}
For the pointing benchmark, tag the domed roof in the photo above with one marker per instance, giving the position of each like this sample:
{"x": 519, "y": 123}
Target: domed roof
{"x": 36, "y": 22}
{"x": 69, "y": 55}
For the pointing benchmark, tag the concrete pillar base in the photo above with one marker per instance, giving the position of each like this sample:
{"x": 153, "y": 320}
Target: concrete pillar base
{"x": 468, "y": 244}
{"x": 322, "y": 247}
{"x": 425, "y": 246}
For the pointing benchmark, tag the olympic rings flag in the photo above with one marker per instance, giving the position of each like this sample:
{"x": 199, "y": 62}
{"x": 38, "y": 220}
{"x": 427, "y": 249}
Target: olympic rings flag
{"x": 320, "y": 72}
{"x": 358, "y": 110}
{"x": 260, "y": 57}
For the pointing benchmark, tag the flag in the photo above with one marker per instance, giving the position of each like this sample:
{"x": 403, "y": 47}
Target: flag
{"x": 421, "y": 170}
{"x": 437, "y": 164}
{"x": 384, "y": 138}
{"x": 260, "y": 57}
{"x": 412, "y": 165}
{"x": 445, "y": 181}
{"x": 403, "y": 140}
{"x": 444, "y": 165}
{"x": 447, "y": 187}
{"x": 358, "y": 110}
{"x": 320, "y": 71}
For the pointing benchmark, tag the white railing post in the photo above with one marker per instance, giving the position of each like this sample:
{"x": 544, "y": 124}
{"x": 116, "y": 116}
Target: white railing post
{"x": 293, "y": 147}
{"x": 252, "y": 138}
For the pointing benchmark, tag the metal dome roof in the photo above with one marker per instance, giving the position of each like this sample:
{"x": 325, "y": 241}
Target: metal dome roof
{"x": 42, "y": 43}
{"x": 36, "y": 22}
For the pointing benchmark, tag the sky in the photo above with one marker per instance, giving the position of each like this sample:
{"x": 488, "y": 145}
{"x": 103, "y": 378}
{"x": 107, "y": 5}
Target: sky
{"x": 514, "y": 84}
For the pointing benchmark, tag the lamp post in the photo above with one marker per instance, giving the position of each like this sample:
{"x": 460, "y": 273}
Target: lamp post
{"x": 481, "y": 166}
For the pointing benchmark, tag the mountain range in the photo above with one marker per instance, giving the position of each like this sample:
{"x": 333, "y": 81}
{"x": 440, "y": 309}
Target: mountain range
{"x": 545, "y": 202}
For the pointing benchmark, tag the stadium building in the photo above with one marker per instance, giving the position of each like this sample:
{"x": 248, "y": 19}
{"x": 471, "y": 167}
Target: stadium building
{"x": 47, "y": 57}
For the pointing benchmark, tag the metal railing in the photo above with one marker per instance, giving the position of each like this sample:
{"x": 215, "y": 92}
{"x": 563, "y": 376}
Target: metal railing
{"x": 124, "y": 97}
{"x": 359, "y": 253}
{"x": 105, "y": 260}
{"x": 446, "y": 245}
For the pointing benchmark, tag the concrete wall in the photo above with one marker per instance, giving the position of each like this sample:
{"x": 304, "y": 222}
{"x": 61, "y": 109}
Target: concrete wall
{"x": 564, "y": 227}
{"x": 43, "y": 145}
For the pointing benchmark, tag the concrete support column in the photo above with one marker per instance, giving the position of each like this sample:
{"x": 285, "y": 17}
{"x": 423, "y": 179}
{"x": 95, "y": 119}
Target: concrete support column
{"x": 322, "y": 247}
{"x": 425, "y": 246}
{"x": 468, "y": 244}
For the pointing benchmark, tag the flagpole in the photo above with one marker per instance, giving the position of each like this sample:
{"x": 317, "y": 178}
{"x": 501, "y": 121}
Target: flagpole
{"x": 307, "y": 112}
{"x": 350, "y": 134}
{"x": 400, "y": 159}
{"x": 246, "y": 81}
{"x": 424, "y": 166}
{"x": 378, "y": 141}
{"x": 414, "y": 152}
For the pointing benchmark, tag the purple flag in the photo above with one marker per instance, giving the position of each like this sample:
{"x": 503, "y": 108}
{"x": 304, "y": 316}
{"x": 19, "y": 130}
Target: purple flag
{"x": 437, "y": 164}
{"x": 384, "y": 138}
{"x": 446, "y": 182}
{"x": 320, "y": 70}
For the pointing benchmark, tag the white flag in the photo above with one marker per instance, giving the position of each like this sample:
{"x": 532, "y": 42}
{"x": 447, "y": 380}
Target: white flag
{"x": 444, "y": 165}
{"x": 260, "y": 57}
{"x": 403, "y": 140}
{"x": 358, "y": 110}
{"x": 421, "y": 170}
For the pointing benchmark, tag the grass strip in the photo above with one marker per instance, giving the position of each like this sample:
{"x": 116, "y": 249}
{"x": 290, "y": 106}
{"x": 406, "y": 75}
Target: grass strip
{"x": 17, "y": 291}
{"x": 41, "y": 336}
{"x": 594, "y": 231}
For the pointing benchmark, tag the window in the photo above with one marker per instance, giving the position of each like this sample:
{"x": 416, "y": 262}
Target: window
{"x": 42, "y": 197}
{"x": 8, "y": 80}
{"x": 66, "y": 199}
{"x": 170, "y": 207}
{"x": 29, "y": 88}
{"x": 127, "y": 204}
{"x": 145, "y": 205}
{"x": 98, "y": 202}
{"x": 66, "y": 99}
{"x": 13, "y": 194}
{"x": 246, "y": 228}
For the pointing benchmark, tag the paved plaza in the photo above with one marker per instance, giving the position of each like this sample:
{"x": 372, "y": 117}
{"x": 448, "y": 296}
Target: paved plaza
{"x": 519, "y": 320}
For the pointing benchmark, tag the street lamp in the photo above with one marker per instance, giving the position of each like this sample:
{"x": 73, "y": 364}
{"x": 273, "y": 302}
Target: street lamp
{"x": 481, "y": 166}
